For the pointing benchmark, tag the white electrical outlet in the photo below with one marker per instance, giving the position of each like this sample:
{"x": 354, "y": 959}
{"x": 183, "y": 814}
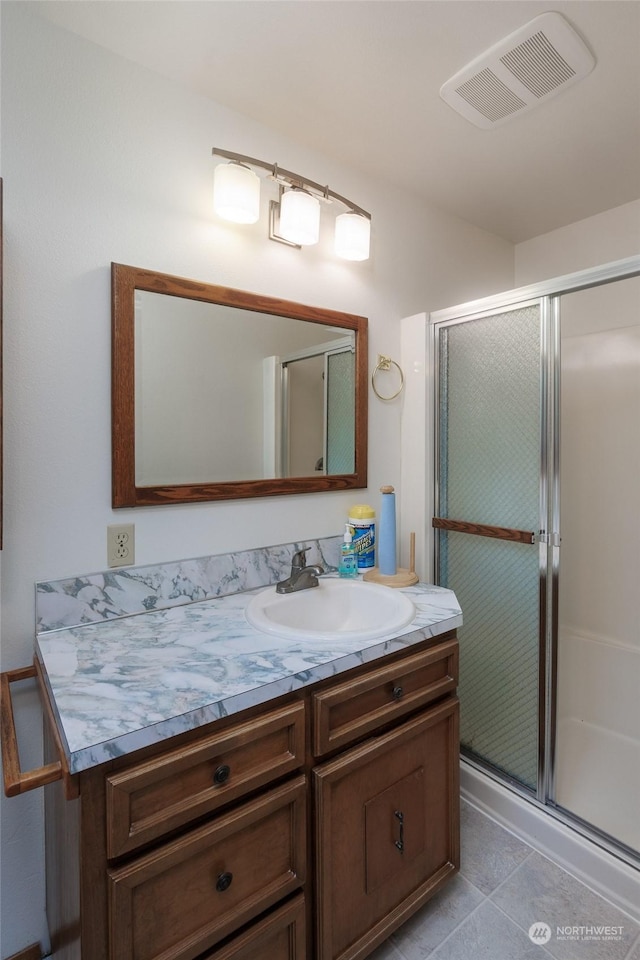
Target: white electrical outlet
{"x": 120, "y": 544}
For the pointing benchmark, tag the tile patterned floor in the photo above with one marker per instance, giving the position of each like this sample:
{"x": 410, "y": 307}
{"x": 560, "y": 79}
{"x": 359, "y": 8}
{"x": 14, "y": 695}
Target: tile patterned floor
{"x": 504, "y": 886}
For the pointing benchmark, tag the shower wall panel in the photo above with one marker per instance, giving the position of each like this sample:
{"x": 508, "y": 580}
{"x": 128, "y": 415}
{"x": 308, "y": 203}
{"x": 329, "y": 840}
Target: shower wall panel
{"x": 598, "y": 701}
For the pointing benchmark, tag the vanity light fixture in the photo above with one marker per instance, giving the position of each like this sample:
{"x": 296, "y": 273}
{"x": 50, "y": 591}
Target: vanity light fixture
{"x": 236, "y": 193}
{"x": 352, "y": 236}
{"x": 299, "y": 217}
{"x": 294, "y": 218}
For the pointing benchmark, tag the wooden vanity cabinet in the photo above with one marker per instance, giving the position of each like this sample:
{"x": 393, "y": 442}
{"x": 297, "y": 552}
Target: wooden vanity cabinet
{"x": 387, "y": 831}
{"x": 168, "y": 852}
{"x": 305, "y": 829}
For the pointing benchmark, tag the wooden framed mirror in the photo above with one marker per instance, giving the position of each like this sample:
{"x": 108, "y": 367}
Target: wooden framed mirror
{"x": 221, "y": 394}
{"x": 1, "y": 360}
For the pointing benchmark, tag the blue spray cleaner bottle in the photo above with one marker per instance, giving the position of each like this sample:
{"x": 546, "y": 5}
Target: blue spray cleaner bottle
{"x": 348, "y": 566}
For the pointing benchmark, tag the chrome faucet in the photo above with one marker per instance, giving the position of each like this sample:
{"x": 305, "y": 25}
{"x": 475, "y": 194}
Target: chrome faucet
{"x": 302, "y": 577}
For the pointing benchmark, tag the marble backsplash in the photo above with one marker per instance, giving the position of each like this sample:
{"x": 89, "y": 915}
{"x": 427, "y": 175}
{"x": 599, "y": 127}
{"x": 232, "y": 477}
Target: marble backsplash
{"x": 121, "y": 592}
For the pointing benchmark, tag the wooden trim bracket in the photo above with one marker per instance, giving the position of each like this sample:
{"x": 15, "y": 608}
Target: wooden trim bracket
{"x": 34, "y": 952}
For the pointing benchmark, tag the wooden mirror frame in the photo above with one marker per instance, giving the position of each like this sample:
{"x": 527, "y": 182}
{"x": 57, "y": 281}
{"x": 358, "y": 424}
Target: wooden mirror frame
{"x": 124, "y": 282}
{"x": 1, "y": 361}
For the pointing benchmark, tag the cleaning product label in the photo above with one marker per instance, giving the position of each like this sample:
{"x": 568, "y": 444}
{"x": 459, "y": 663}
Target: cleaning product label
{"x": 362, "y": 520}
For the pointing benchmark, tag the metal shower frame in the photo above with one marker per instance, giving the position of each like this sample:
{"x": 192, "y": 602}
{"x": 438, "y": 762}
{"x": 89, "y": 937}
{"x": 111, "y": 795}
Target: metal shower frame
{"x": 547, "y": 295}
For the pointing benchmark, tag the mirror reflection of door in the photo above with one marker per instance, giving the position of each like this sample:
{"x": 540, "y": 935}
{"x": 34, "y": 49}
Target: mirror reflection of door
{"x": 305, "y": 415}
{"x": 340, "y": 410}
{"x": 318, "y": 411}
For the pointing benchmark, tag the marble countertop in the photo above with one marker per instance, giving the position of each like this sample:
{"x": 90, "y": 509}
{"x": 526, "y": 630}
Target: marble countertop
{"x": 120, "y": 685}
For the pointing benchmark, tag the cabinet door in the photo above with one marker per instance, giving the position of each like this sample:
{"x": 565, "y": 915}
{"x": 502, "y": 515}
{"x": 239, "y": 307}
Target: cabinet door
{"x": 387, "y": 831}
{"x": 179, "y": 900}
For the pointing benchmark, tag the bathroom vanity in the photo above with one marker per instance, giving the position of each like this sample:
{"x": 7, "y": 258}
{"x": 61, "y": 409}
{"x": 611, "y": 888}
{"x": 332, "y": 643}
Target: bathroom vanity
{"x": 305, "y": 812}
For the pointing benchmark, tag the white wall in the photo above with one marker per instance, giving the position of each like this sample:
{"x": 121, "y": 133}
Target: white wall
{"x": 104, "y": 161}
{"x": 612, "y": 235}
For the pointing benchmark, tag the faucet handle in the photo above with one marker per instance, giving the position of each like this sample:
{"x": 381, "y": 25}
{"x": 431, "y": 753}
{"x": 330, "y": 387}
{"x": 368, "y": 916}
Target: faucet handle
{"x": 299, "y": 560}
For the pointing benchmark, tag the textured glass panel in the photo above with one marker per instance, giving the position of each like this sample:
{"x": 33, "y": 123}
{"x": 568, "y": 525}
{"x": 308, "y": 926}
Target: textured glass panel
{"x": 496, "y": 583}
{"x": 340, "y": 413}
{"x": 490, "y": 420}
{"x": 490, "y": 474}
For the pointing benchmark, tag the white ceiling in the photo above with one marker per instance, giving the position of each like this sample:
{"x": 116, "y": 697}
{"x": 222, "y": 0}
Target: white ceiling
{"x": 359, "y": 80}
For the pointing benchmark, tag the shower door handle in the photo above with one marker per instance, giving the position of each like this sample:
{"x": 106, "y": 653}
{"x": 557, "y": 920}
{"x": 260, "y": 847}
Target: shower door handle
{"x": 483, "y": 530}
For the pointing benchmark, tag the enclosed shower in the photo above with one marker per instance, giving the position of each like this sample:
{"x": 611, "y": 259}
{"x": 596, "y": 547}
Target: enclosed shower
{"x": 537, "y": 530}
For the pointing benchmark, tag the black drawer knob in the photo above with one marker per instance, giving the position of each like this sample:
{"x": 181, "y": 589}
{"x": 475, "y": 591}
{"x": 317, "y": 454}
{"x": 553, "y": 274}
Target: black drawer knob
{"x": 397, "y": 693}
{"x": 224, "y": 882}
{"x": 221, "y": 774}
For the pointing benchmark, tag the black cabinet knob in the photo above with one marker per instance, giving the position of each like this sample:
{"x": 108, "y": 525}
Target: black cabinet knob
{"x": 221, "y": 774}
{"x": 397, "y": 693}
{"x": 224, "y": 882}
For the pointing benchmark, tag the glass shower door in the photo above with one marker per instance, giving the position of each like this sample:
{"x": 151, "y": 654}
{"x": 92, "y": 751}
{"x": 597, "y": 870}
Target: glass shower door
{"x": 490, "y": 497}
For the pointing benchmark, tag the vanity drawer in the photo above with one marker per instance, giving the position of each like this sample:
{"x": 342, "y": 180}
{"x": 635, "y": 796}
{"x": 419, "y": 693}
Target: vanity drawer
{"x": 149, "y": 799}
{"x": 356, "y": 708}
{"x": 280, "y": 936}
{"x": 180, "y": 900}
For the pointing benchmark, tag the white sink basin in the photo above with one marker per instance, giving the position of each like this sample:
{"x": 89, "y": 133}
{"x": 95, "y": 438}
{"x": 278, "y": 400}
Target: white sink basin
{"x": 346, "y": 609}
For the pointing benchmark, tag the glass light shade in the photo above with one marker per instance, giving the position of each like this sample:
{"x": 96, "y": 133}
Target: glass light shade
{"x": 299, "y": 217}
{"x": 352, "y": 237}
{"x": 236, "y": 193}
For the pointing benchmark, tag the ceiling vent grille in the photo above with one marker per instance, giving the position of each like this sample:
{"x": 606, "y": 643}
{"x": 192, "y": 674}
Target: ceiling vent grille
{"x": 526, "y": 68}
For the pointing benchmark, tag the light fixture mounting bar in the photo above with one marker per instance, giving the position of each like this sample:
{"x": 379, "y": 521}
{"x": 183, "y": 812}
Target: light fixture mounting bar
{"x": 294, "y": 179}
